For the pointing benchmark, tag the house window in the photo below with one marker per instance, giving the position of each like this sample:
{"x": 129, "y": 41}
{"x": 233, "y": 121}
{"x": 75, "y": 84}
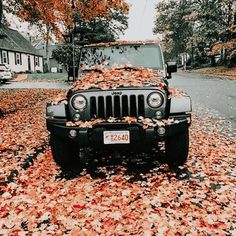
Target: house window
{"x": 4, "y": 57}
{"x": 36, "y": 61}
{"x": 18, "y": 59}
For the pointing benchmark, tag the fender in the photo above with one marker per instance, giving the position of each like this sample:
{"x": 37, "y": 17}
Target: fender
{"x": 180, "y": 105}
{"x": 56, "y": 111}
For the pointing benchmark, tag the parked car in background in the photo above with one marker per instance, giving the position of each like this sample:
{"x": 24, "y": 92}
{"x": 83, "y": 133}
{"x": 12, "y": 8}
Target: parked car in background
{"x": 5, "y": 73}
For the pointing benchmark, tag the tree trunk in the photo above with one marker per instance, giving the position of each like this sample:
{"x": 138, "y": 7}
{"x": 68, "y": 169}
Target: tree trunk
{"x": 47, "y": 51}
{"x": 213, "y": 61}
{"x": 1, "y": 12}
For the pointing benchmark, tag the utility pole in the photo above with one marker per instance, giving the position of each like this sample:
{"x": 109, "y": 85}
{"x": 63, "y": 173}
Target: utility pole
{"x": 73, "y": 55}
{"x": 73, "y": 43}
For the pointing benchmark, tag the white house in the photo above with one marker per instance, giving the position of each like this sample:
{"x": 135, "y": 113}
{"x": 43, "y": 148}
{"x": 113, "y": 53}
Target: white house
{"x": 18, "y": 53}
{"x": 40, "y": 45}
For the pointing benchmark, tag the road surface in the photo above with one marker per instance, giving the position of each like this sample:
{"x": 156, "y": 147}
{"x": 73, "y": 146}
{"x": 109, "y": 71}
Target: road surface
{"x": 216, "y": 96}
{"x": 36, "y": 85}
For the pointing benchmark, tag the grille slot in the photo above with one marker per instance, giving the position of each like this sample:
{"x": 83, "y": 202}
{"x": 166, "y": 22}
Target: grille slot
{"x": 101, "y": 107}
{"x": 125, "y": 107}
{"x": 117, "y": 106}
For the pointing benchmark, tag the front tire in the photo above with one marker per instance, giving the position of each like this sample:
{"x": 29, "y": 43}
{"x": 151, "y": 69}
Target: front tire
{"x": 65, "y": 152}
{"x": 176, "y": 148}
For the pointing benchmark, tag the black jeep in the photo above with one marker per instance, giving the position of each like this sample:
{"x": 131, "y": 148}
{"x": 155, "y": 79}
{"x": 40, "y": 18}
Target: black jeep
{"x": 121, "y": 100}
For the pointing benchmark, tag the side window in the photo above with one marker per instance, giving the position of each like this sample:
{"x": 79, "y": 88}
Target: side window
{"x": 18, "y": 59}
{"x": 36, "y": 61}
{"x": 4, "y": 57}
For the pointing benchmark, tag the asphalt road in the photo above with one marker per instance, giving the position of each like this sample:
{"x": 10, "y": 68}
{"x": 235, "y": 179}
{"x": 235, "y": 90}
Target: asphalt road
{"x": 36, "y": 85}
{"x": 216, "y": 96}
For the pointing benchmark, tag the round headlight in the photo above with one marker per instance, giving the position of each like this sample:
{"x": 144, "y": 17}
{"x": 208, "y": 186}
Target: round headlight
{"x": 155, "y": 100}
{"x": 79, "y": 102}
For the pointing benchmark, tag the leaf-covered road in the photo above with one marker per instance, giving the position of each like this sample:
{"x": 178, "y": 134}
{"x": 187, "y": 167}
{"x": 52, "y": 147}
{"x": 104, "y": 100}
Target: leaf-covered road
{"x": 114, "y": 195}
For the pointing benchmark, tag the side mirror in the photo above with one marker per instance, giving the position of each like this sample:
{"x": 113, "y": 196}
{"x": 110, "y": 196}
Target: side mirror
{"x": 171, "y": 67}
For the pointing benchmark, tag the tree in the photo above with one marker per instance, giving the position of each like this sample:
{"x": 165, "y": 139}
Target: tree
{"x": 173, "y": 23}
{"x": 54, "y": 16}
{"x": 1, "y": 12}
{"x": 87, "y": 32}
{"x": 227, "y": 43}
{"x": 194, "y": 26}
{"x": 100, "y": 29}
{"x": 64, "y": 54}
{"x": 47, "y": 15}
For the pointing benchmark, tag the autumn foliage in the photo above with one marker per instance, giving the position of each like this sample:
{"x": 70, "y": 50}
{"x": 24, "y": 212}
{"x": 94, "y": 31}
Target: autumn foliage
{"x": 57, "y": 15}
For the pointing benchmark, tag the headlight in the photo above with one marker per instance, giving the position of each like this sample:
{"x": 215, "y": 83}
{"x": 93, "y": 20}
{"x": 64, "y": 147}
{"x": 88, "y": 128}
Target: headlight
{"x": 79, "y": 102}
{"x": 155, "y": 100}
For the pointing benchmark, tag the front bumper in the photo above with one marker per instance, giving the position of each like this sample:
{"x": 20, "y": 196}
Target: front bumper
{"x": 93, "y": 137}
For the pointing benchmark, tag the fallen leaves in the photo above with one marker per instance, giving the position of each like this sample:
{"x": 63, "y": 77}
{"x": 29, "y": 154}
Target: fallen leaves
{"x": 127, "y": 76}
{"x": 229, "y": 73}
{"x": 14, "y": 100}
{"x": 174, "y": 92}
{"x": 23, "y": 128}
{"x": 126, "y": 199}
{"x": 60, "y": 98}
{"x": 123, "y": 42}
{"x": 144, "y": 122}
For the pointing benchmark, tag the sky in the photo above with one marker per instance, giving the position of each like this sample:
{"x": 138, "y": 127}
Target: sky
{"x": 141, "y": 20}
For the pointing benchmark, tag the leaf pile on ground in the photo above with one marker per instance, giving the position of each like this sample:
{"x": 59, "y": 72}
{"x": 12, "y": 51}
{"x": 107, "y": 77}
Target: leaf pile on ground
{"x": 197, "y": 199}
{"x": 219, "y": 71}
{"x": 14, "y": 100}
{"x": 127, "y": 76}
{"x": 23, "y": 131}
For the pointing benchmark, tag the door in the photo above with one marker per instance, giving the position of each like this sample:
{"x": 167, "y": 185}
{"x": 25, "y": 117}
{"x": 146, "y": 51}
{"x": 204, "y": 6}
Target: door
{"x": 29, "y": 64}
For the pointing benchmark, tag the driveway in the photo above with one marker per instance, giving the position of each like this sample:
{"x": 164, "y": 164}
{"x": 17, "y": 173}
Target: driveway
{"x": 32, "y": 85}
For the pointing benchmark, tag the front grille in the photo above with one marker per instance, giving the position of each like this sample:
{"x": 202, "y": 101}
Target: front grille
{"x": 117, "y": 106}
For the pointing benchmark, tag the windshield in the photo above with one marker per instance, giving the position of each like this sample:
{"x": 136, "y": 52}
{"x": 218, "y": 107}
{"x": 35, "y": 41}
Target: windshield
{"x": 147, "y": 56}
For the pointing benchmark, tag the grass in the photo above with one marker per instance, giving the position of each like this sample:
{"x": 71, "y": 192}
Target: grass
{"x": 47, "y": 77}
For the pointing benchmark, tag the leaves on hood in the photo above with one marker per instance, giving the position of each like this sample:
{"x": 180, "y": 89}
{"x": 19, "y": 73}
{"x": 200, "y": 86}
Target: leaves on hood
{"x": 174, "y": 92}
{"x": 127, "y": 76}
{"x": 60, "y": 98}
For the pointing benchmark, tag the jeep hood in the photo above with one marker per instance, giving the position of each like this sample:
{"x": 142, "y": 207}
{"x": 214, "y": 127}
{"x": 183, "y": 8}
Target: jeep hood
{"x": 127, "y": 76}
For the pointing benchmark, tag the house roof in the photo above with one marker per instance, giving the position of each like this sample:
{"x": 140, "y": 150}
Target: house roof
{"x": 12, "y": 40}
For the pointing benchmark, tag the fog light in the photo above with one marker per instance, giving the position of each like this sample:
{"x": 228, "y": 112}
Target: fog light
{"x": 161, "y": 131}
{"x": 73, "y": 133}
{"x": 158, "y": 114}
{"x": 76, "y": 117}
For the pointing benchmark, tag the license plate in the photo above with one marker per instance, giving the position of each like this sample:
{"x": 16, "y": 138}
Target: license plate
{"x": 116, "y": 137}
